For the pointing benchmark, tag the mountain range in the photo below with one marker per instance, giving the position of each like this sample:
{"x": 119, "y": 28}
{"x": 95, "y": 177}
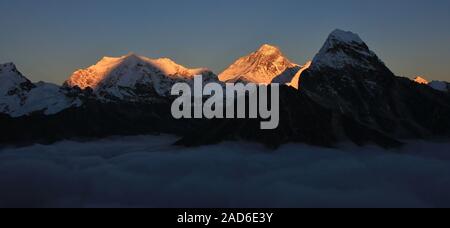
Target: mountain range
{"x": 346, "y": 93}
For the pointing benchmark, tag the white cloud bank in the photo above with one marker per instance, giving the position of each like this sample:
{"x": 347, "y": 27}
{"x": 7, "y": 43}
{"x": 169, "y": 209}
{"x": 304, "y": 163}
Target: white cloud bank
{"x": 146, "y": 171}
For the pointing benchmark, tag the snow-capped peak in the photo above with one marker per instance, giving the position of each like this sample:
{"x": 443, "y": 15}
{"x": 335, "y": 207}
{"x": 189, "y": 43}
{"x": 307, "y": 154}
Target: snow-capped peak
{"x": 421, "y": 80}
{"x": 119, "y": 77}
{"x": 345, "y": 49}
{"x": 261, "y": 66}
{"x": 440, "y": 85}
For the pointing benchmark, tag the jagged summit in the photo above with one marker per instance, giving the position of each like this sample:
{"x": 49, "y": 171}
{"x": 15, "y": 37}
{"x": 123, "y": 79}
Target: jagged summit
{"x": 11, "y": 79}
{"x": 261, "y": 66}
{"x": 345, "y": 36}
{"x": 345, "y": 49}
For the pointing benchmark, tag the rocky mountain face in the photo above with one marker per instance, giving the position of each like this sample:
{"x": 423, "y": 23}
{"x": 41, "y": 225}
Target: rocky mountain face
{"x": 261, "y": 67}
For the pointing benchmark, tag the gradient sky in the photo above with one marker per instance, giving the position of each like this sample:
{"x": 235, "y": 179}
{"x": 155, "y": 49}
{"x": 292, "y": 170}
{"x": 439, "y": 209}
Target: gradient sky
{"x": 49, "y": 39}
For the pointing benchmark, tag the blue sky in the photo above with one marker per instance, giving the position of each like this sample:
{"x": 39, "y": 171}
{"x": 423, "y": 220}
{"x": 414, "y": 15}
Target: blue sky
{"x": 49, "y": 39}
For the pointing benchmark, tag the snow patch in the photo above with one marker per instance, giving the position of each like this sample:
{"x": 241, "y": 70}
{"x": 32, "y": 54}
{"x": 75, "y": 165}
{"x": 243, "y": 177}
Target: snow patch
{"x": 345, "y": 36}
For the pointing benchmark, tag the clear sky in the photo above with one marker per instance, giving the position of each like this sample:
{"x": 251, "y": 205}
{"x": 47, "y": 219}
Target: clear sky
{"x": 49, "y": 39}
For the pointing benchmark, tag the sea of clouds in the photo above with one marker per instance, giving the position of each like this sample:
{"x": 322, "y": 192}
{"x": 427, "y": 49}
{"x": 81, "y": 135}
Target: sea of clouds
{"x": 146, "y": 171}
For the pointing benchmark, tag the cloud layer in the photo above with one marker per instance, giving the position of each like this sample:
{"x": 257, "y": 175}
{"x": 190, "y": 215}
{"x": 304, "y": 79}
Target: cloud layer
{"x": 146, "y": 171}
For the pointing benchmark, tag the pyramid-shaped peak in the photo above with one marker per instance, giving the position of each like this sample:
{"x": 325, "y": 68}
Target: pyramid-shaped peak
{"x": 421, "y": 80}
{"x": 345, "y": 36}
